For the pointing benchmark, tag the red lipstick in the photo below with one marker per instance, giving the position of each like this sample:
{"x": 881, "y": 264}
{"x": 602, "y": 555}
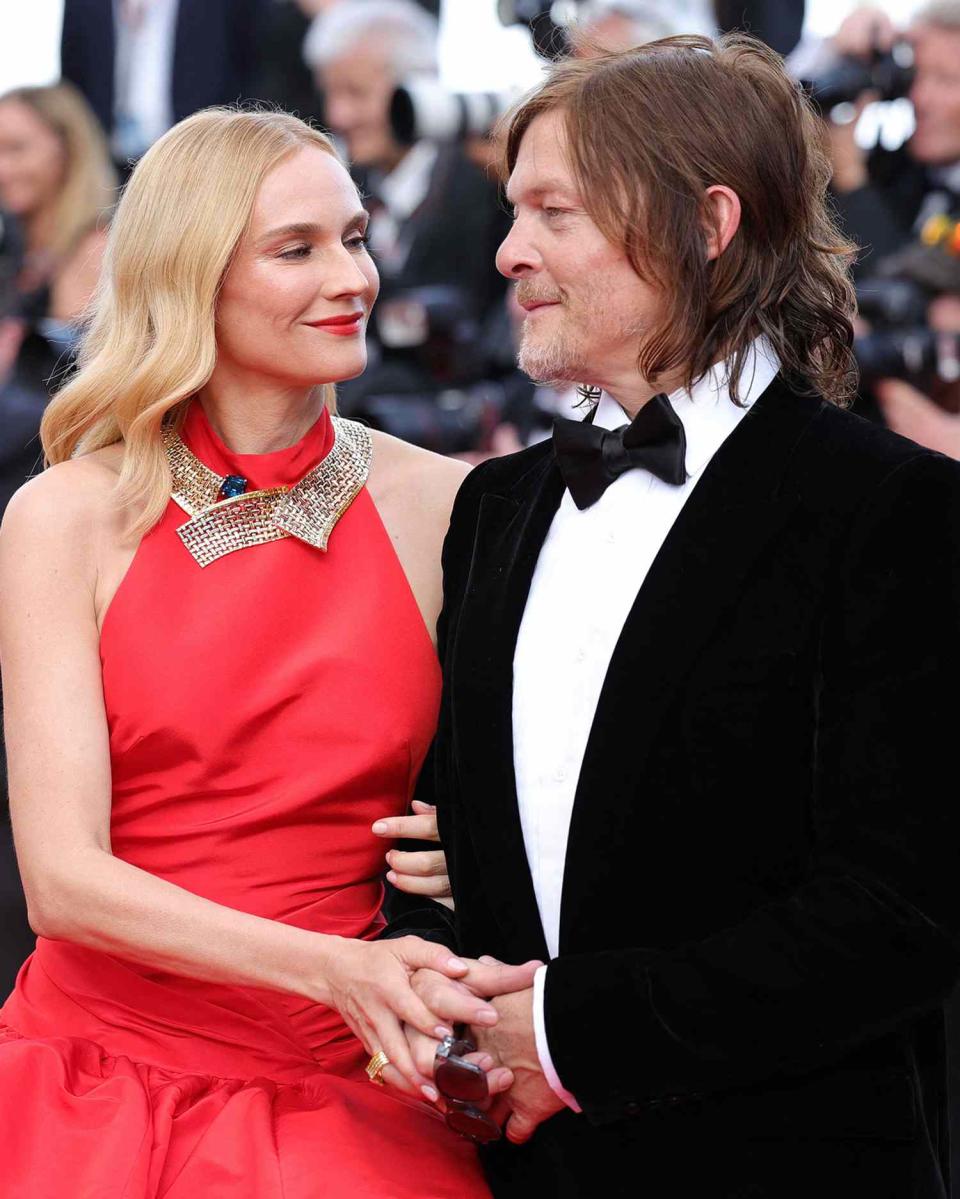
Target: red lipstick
{"x": 340, "y": 326}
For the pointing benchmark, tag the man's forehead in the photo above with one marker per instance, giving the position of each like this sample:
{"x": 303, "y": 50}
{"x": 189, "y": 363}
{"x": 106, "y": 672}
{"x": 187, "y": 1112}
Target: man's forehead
{"x": 542, "y": 164}
{"x": 530, "y": 185}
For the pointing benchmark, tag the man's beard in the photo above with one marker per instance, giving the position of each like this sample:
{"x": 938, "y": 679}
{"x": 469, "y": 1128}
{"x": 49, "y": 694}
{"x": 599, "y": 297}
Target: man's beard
{"x": 552, "y": 360}
{"x": 563, "y": 356}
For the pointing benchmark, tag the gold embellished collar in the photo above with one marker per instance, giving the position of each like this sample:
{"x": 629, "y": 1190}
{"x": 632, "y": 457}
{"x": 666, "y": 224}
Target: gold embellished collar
{"x": 309, "y": 510}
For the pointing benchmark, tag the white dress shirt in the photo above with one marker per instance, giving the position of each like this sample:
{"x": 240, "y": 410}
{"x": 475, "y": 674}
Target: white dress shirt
{"x": 145, "y": 32}
{"x": 589, "y": 571}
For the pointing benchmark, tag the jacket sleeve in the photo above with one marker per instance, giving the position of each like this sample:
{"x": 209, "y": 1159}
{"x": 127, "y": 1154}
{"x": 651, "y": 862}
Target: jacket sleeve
{"x": 414, "y": 914}
{"x": 418, "y": 915}
{"x": 870, "y": 940}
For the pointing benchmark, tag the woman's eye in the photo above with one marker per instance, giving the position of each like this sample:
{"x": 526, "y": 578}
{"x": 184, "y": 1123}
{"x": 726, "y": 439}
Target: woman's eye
{"x": 296, "y": 252}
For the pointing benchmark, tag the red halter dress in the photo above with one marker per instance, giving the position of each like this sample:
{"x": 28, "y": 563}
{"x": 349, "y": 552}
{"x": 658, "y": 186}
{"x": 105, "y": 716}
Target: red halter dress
{"x": 263, "y": 711}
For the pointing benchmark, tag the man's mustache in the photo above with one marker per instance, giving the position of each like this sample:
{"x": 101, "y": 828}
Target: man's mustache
{"x": 529, "y": 293}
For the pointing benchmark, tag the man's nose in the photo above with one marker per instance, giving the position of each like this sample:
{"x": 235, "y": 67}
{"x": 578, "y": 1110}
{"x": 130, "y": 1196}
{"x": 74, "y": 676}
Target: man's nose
{"x": 516, "y": 256}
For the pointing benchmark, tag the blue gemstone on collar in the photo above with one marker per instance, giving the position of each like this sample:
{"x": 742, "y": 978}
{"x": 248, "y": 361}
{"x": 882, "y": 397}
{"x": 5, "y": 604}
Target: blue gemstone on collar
{"x": 232, "y": 485}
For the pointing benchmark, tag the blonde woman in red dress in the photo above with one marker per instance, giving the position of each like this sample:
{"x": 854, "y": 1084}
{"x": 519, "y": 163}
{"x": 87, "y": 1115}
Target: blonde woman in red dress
{"x": 218, "y": 669}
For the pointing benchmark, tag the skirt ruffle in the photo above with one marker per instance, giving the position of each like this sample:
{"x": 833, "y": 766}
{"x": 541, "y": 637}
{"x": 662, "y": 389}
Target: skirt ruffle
{"x": 77, "y": 1123}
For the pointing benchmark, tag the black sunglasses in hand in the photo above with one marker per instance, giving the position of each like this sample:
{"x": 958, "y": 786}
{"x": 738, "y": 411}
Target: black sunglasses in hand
{"x": 463, "y": 1085}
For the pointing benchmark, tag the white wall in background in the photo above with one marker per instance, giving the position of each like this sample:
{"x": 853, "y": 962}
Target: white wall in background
{"x": 29, "y": 41}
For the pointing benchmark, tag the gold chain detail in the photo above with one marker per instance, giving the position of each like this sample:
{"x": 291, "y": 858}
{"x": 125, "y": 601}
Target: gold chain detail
{"x": 308, "y": 511}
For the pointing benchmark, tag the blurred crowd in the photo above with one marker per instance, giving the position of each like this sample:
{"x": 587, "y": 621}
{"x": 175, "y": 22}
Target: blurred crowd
{"x": 442, "y": 342}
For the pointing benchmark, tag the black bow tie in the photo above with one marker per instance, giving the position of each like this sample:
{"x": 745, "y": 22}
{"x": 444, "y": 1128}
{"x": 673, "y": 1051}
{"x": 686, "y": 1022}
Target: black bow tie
{"x": 590, "y": 458}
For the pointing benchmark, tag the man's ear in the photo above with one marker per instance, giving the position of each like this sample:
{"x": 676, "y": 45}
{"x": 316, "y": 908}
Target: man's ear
{"x": 721, "y": 218}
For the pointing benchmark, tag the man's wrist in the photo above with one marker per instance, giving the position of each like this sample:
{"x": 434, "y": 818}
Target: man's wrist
{"x": 543, "y": 1048}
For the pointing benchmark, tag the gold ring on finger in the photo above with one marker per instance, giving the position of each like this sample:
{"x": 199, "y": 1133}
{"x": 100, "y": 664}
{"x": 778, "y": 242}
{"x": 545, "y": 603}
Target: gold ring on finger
{"x": 376, "y": 1066}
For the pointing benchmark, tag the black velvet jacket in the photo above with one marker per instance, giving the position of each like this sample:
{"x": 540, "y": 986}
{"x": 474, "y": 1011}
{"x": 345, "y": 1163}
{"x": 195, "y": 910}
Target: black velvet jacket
{"x": 761, "y": 898}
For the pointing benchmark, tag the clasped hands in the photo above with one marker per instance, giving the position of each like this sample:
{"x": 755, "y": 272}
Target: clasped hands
{"x": 501, "y": 1023}
{"x": 495, "y": 1000}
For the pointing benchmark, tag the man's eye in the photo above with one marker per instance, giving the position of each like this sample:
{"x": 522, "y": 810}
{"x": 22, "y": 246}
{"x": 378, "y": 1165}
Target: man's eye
{"x": 358, "y": 242}
{"x": 296, "y": 252}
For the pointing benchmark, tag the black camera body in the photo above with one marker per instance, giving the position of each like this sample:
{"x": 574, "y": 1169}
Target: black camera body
{"x": 550, "y": 39}
{"x": 900, "y": 344}
{"x": 888, "y": 74}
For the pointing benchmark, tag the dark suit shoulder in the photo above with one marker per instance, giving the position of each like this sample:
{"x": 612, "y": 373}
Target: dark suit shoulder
{"x": 845, "y": 459}
{"x": 497, "y": 476}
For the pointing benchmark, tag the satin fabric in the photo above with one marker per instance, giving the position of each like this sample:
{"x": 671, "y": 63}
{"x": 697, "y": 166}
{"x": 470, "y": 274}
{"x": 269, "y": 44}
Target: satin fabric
{"x": 263, "y": 712}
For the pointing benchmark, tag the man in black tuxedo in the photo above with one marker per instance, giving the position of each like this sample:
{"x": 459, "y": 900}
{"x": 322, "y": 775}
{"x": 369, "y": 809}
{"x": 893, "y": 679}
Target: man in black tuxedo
{"x": 697, "y": 739}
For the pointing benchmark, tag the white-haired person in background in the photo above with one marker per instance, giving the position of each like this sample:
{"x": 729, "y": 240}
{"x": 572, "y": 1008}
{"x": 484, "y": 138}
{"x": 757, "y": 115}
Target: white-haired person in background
{"x": 436, "y": 219}
{"x": 615, "y": 25}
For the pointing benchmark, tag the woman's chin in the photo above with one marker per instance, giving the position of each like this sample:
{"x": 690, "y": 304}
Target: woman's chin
{"x": 349, "y": 371}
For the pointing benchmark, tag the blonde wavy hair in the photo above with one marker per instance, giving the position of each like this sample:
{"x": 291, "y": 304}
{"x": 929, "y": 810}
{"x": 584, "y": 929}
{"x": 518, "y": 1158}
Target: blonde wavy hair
{"x": 151, "y": 341}
{"x": 89, "y": 180}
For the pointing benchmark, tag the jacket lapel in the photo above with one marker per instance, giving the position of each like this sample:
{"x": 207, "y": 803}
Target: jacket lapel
{"x": 510, "y": 532}
{"x": 734, "y": 511}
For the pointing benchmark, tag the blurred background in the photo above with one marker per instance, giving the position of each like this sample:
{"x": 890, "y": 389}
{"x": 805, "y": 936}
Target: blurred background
{"x": 411, "y": 89}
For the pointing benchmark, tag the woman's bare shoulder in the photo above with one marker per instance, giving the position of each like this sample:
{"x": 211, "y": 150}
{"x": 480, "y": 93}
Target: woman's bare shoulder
{"x": 402, "y": 470}
{"x": 66, "y": 501}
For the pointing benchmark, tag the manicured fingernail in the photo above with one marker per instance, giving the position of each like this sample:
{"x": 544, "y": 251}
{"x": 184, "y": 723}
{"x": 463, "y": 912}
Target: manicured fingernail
{"x": 380, "y": 827}
{"x": 456, "y": 964}
{"x": 442, "y": 1031}
{"x": 485, "y": 1015}
{"x": 430, "y": 1093}
{"x": 489, "y": 961}
{"x": 391, "y": 876}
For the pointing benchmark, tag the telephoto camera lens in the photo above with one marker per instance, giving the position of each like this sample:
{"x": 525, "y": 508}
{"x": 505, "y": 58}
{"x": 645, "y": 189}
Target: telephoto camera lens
{"x": 422, "y": 108}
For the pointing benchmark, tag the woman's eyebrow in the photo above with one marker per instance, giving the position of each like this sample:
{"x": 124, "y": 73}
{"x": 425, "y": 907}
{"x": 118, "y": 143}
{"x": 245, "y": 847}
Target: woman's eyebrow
{"x": 310, "y": 228}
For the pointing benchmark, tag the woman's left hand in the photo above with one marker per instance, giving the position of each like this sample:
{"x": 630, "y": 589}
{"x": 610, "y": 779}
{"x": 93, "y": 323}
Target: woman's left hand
{"x": 417, "y": 873}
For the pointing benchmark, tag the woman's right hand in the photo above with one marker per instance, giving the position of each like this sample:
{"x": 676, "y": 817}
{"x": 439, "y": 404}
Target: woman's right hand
{"x": 369, "y": 983}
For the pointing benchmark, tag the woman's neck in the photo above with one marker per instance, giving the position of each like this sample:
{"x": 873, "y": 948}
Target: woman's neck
{"x": 257, "y": 419}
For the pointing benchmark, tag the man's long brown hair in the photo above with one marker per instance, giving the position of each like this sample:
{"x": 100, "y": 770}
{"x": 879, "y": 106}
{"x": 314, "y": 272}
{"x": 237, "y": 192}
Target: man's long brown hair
{"x": 648, "y": 131}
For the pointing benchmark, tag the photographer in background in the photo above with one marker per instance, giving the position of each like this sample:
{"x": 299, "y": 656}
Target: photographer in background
{"x": 882, "y": 194}
{"x": 436, "y": 222}
{"x": 615, "y": 25}
{"x": 909, "y": 409}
